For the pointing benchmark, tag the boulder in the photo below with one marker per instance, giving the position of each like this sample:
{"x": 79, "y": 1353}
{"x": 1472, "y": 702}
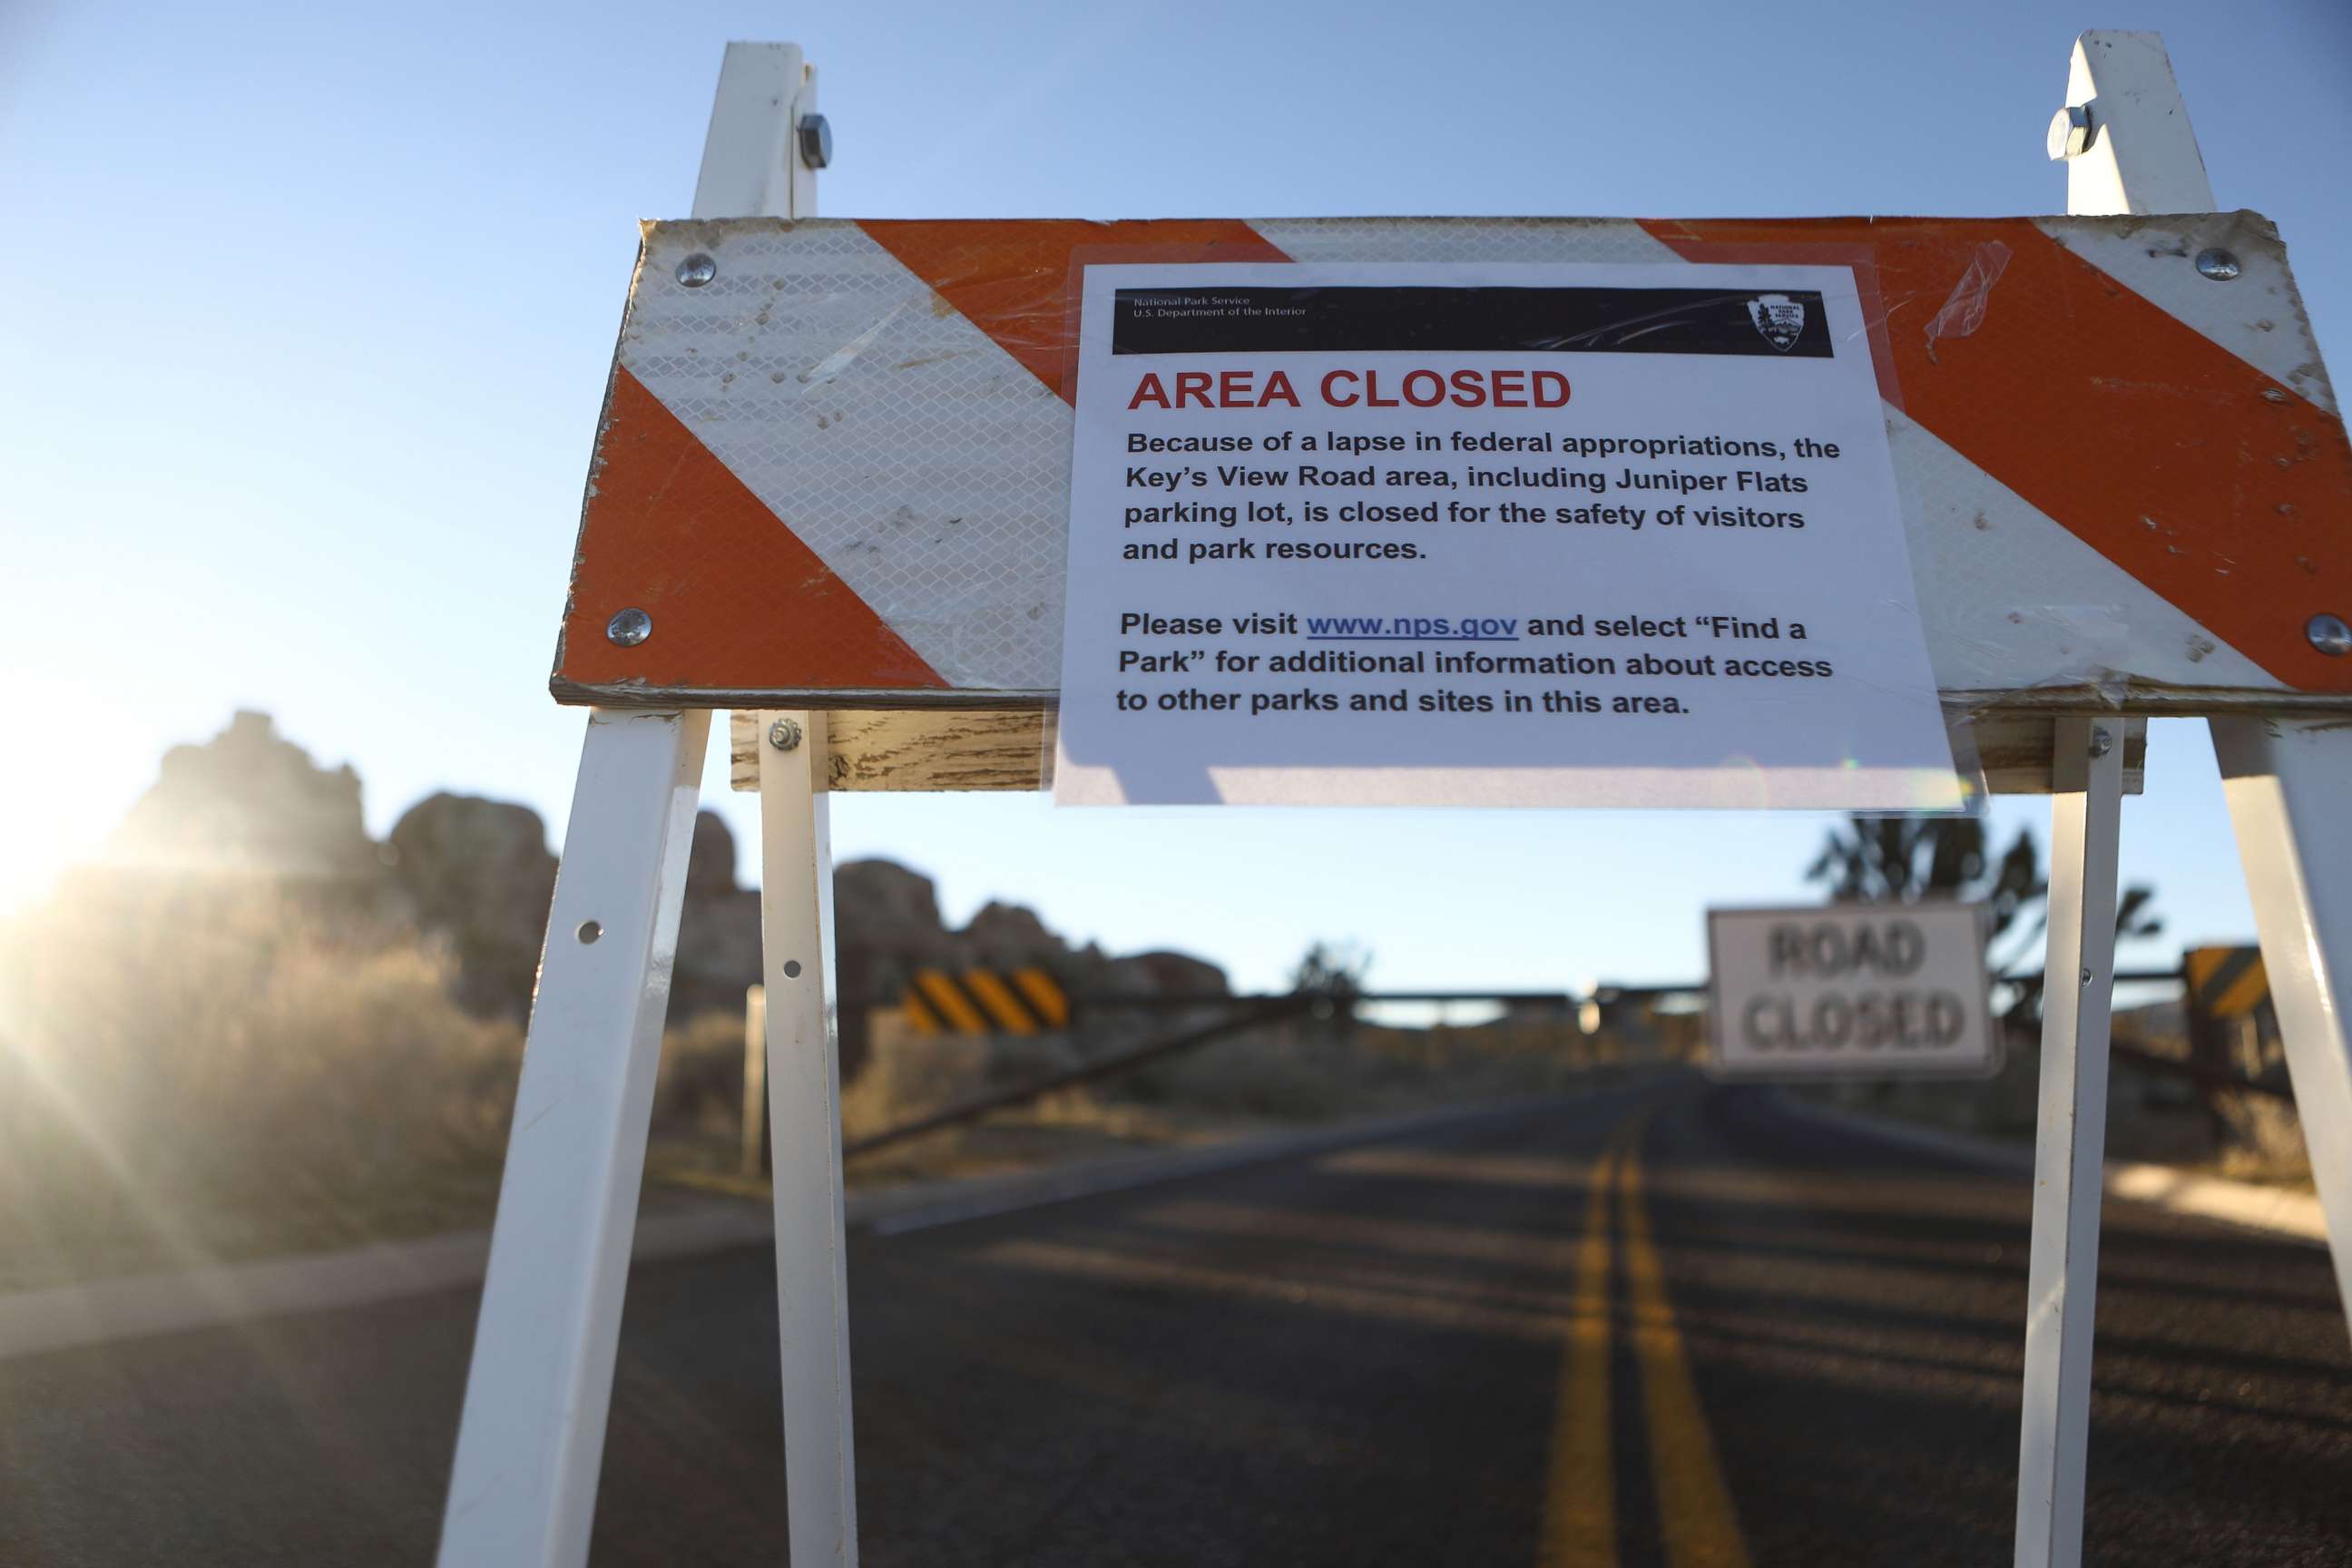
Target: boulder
{"x": 886, "y": 926}
{"x": 719, "y": 930}
{"x": 1163, "y": 974}
{"x": 1005, "y": 937}
{"x": 478, "y": 874}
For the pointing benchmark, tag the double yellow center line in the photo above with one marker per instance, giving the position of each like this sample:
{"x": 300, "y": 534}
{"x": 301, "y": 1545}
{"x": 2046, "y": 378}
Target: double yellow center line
{"x": 1696, "y": 1520}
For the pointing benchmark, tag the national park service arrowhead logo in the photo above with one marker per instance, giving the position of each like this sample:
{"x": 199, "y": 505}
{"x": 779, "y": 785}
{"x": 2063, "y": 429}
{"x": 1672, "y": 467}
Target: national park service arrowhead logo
{"x": 1780, "y": 319}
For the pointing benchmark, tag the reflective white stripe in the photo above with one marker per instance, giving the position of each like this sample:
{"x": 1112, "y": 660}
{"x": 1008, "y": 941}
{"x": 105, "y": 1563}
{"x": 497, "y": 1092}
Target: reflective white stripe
{"x": 2257, "y": 315}
{"x": 923, "y": 464}
{"x": 2010, "y": 599}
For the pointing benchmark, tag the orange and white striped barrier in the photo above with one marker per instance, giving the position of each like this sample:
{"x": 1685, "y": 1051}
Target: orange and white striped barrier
{"x": 834, "y": 463}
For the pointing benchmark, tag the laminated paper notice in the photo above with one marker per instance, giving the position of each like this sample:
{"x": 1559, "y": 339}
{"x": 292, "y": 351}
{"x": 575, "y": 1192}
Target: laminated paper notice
{"x": 1488, "y": 536}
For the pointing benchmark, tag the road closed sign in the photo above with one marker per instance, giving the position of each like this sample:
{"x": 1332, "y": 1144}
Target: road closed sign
{"x": 1482, "y": 534}
{"x": 1850, "y": 991}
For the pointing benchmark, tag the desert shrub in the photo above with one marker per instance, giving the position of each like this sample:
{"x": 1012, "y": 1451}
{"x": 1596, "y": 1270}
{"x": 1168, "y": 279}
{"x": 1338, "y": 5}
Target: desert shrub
{"x": 1306, "y": 1071}
{"x": 700, "y": 1088}
{"x": 1277, "y": 1073}
{"x": 238, "y": 1044}
{"x": 907, "y": 1076}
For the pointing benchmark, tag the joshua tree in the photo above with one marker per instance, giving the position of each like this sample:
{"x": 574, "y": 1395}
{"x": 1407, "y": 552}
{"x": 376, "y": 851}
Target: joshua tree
{"x": 1903, "y": 859}
{"x": 1331, "y": 969}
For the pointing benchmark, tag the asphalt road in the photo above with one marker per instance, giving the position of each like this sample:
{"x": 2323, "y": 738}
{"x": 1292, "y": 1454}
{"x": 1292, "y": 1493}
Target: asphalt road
{"x": 1662, "y": 1324}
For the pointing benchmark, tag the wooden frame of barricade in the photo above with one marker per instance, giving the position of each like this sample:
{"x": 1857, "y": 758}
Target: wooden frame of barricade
{"x": 530, "y": 1441}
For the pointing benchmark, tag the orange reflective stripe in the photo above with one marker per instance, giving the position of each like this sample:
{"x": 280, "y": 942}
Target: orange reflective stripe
{"x": 1011, "y": 279}
{"x": 670, "y": 531}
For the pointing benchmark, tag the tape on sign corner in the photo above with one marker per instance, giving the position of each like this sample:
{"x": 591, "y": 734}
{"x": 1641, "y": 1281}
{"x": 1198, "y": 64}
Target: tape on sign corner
{"x": 1964, "y": 308}
{"x": 2097, "y": 647}
{"x": 2073, "y": 647}
{"x": 1798, "y": 244}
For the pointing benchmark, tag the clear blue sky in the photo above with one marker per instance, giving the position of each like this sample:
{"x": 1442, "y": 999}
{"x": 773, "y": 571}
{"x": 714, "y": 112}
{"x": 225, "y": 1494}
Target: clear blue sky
{"x": 309, "y": 310}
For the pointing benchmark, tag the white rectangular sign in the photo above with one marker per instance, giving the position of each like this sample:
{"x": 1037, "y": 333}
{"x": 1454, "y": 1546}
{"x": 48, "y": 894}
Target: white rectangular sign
{"x": 1488, "y": 536}
{"x": 1850, "y": 991}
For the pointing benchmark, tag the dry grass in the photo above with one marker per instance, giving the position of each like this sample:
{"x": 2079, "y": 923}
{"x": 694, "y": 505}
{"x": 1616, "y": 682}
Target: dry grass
{"x": 213, "y": 1073}
{"x": 199, "y": 1075}
{"x": 1266, "y": 1078}
{"x": 1309, "y": 1072}
{"x": 699, "y": 1091}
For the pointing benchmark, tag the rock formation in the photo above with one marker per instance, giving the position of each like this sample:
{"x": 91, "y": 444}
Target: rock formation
{"x": 247, "y": 803}
{"x": 477, "y": 875}
{"x": 719, "y": 933}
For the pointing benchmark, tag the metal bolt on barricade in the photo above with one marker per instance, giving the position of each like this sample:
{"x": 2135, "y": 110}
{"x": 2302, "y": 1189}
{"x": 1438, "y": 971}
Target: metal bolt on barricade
{"x": 2218, "y": 264}
{"x": 629, "y": 628}
{"x": 2102, "y": 742}
{"x": 2329, "y": 635}
{"x": 697, "y": 269}
{"x": 816, "y": 134}
{"x": 2071, "y": 131}
{"x": 785, "y": 734}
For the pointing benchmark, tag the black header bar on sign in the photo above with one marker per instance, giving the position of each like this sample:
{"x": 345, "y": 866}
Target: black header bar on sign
{"x": 1470, "y": 319}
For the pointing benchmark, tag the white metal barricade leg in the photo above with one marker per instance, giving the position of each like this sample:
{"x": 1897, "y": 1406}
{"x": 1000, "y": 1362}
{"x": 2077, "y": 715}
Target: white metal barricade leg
{"x": 757, "y": 163}
{"x": 754, "y": 162}
{"x": 522, "y": 1493}
{"x": 2069, "y": 1140}
{"x": 2289, "y": 788}
{"x": 2137, "y": 152}
{"x": 529, "y": 1445}
{"x": 804, "y": 1134}
{"x": 2132, "y": 151}
{"x": 2287, "y": 780}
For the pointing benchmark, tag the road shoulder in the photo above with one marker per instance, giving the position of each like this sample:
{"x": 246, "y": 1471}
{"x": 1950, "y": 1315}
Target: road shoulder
{"x": 68, "y": 1317}
{"x": 2249, "y": 1206}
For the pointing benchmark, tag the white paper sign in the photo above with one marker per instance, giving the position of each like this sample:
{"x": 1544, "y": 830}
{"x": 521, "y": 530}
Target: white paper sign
{"x": 1488, "y": 536}
{"x": 1850, "y": 991}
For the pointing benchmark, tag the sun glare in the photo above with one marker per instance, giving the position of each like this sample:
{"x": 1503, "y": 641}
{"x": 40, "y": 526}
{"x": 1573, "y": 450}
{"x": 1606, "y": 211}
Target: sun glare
{"x": 51, "y": 818}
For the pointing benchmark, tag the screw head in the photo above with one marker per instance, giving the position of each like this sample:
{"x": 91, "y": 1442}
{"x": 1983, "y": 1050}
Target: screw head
{"x": 816, "y": 141}
{"x": 2069, "y": 132}
{"x": 2218, "y": 264}
{"x": 2102, "y": 742}
{"x": 629, "y": 628}
{"x": 2329, "y": 635}
{"x": 2086, "y": 977}
{"x": 785, "y": 734}
{"x": 697, "y": 269}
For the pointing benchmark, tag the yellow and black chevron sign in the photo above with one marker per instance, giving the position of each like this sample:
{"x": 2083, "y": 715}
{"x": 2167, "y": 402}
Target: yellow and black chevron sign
{"x": 2224, "y": 982}
{"x": 982, "y": 1001}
